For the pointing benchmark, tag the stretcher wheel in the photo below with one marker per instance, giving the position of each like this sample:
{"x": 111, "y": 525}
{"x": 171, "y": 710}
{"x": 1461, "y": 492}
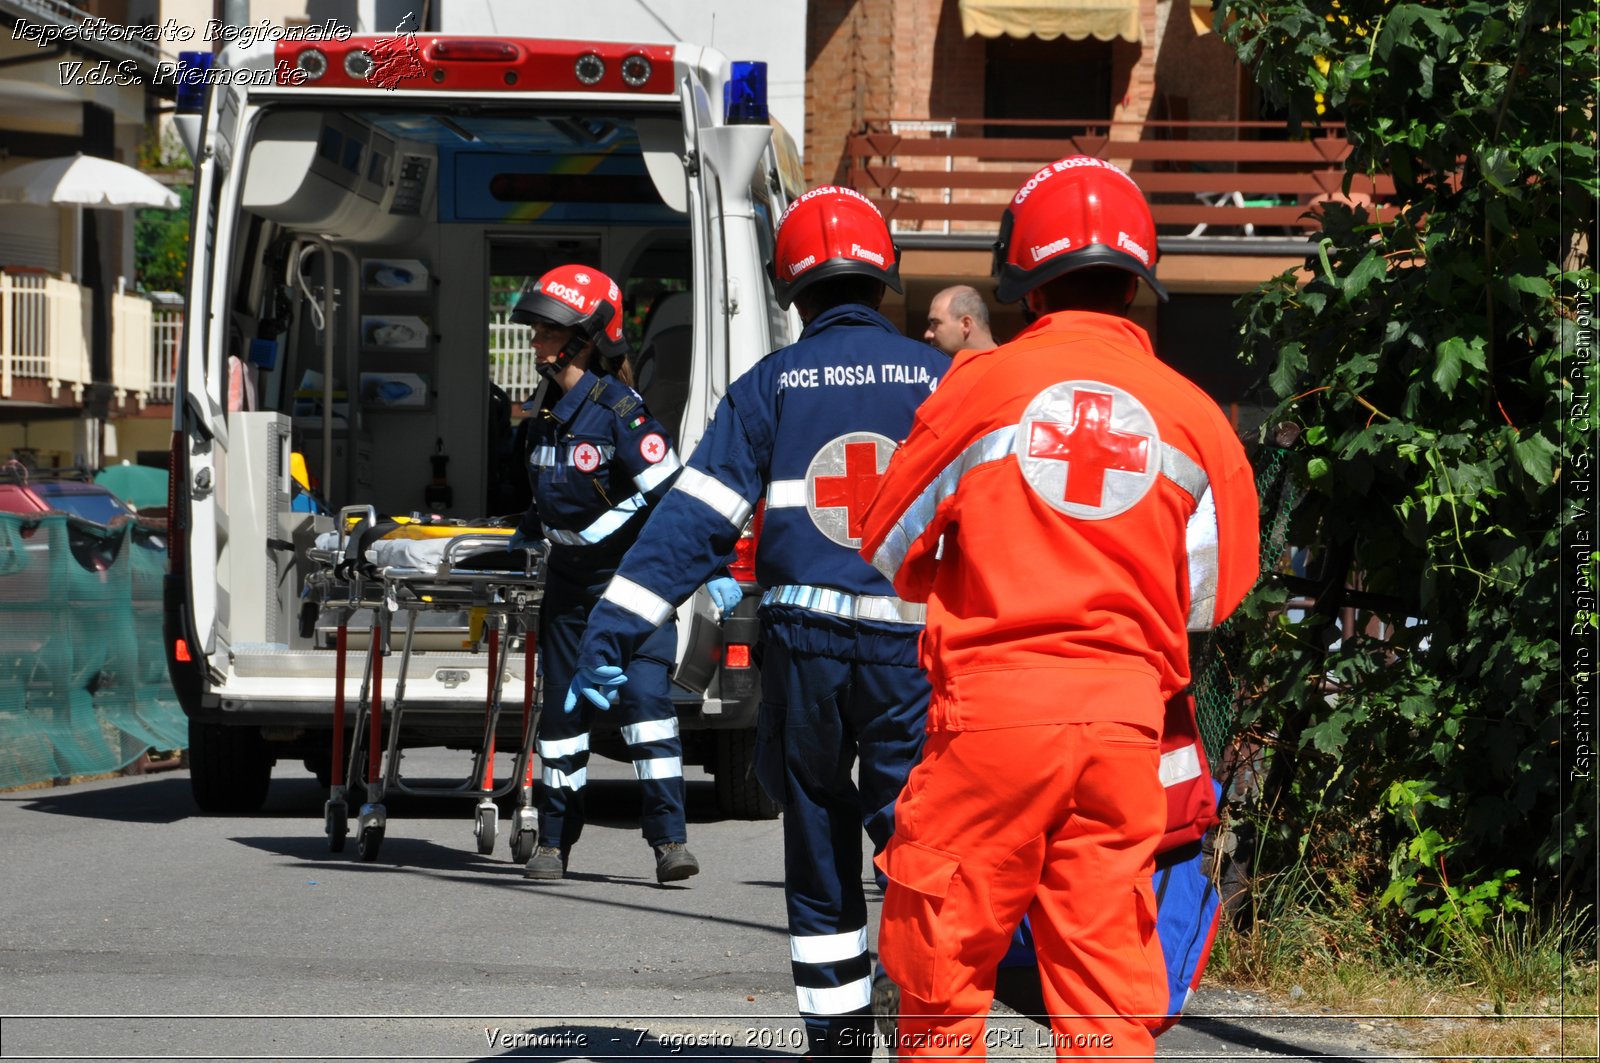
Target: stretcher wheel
{"x": 371, "y": 840}
{"x": 522, "y": 845}
{"x": 336, "y": 821}
{"x": 486, "y": 828}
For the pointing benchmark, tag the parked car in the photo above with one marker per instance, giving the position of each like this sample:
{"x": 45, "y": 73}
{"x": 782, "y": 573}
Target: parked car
{"x": 31, "y": 492}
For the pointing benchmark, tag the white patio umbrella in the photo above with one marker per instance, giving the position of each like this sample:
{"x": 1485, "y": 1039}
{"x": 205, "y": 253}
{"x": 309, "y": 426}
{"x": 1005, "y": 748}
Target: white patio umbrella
{"x": 84, "y": 181}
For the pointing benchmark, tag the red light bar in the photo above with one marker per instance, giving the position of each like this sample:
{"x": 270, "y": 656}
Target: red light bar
{"x": 477, "y": 64}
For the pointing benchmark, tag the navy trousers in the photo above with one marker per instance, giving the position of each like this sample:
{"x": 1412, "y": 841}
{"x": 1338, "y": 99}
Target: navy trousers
{"x": 644, "y": 711}
{"x": 836, "y": 695}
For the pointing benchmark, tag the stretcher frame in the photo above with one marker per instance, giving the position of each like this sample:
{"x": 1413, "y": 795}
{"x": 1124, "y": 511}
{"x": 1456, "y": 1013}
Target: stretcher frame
{"x": 507, "y": 600}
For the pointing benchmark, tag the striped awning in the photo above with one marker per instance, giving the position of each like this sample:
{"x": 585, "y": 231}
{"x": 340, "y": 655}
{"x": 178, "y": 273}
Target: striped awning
{"x": 1074, "y": 19}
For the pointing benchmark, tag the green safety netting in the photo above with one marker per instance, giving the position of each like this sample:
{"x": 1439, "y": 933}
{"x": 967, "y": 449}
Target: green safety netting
{"x": 1214, "y": 659}
{"x": 83, "y": 679}
{"x": 141, "y": 486}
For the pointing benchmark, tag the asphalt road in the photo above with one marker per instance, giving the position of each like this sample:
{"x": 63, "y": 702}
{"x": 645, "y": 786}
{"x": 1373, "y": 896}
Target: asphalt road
{"x": 137, "y": 928}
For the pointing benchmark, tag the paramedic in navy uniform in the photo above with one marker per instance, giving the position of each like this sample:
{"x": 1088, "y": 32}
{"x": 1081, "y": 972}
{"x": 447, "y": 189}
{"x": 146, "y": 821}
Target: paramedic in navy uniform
{"x": 808, "y": 431}
{"x": 598, "y": 462}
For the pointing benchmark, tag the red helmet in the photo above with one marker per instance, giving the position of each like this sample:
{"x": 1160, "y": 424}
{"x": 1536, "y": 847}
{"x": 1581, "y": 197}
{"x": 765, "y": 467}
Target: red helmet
{"x": 1071, "y": 215}
{"x": 827, "y": 232}
{"x": 582, "y": 299}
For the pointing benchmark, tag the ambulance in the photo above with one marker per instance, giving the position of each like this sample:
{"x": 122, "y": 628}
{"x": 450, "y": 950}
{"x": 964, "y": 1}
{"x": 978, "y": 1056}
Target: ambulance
{"x": 365, "y": 208}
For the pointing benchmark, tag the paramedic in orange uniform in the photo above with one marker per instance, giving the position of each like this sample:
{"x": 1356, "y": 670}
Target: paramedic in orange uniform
{"x": 1069, "y": 508}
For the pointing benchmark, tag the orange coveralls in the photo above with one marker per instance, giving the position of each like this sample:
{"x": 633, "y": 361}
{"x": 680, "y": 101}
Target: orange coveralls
{"x": 1069, "y": 508}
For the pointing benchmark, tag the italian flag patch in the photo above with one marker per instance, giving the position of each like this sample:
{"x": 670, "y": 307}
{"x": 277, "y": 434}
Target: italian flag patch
{"x": 637, "y": 421}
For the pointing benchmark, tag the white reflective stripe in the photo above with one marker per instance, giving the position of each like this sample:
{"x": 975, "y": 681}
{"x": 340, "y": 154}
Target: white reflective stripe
{"x": 560, "y": 780}
{"x": 603, "y": 526}
{"x": 655, "y": 475}
{"x": 637, "y": 734}
{"x": 841, "y": 1000}
{"x": 891, "y": 553}
{"x": 635, "y": 599}
{"x": 545, "y": 457}
{"x": 563, "y": 747}
{"x": 787, "y": 494}
{"x": 716, "y": 494}
{"x": 659, "y": 768}
{"x": 1180, "y": 765}
{"x": 828, "y": 948}
{"x": 1183, "y": 471}
{"x": 1200, "y": 540}
{"x": 885, "y": 608}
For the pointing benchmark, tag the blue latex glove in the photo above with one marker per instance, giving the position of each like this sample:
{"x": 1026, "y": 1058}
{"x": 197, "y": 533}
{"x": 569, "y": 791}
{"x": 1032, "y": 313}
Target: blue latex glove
{"x": 598, "y": 685}
{"x": 518, "y": 541}
{"x": 726, "y": 594}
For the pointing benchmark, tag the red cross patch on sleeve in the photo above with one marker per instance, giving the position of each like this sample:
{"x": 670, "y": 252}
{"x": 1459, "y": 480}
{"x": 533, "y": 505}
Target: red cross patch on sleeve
{"x": 653, "y": 448}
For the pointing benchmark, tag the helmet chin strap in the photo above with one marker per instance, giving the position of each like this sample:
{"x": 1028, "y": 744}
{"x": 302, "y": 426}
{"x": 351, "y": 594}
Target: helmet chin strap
{"x": 555, "y": 368}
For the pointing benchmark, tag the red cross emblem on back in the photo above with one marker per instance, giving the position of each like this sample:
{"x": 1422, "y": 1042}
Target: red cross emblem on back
{"x": 1089, "y": 449}
{"x": 855, "y": 488}
{"x": 840, "y": 482}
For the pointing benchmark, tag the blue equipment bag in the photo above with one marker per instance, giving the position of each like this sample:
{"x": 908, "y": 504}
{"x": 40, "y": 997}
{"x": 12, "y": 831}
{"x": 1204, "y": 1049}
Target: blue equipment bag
{"x": 1188, "y": 910}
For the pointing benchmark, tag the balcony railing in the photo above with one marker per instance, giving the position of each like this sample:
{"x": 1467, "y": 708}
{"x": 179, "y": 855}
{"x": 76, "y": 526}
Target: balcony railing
{"x": 1203, "y": 178}
{"x": 45, "y": 329}
{"x": 166, "y": 331}
{"x": 510, "y": 350}
{"x": 44, "y": 332}
{"x": 511, "y": 356}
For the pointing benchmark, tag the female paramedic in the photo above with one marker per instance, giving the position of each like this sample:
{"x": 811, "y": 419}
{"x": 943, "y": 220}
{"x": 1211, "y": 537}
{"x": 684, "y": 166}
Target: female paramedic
{"x": 598, "y": 462}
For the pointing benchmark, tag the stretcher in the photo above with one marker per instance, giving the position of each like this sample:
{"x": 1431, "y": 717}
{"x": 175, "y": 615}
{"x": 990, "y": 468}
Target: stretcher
{"x": 395, "y": 579}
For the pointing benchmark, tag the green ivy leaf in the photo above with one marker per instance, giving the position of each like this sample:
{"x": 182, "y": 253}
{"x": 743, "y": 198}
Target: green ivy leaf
{"x": 1537, "y": 456}
{"x": 1498, "y": 168}
{"x": 1538, "y": 286}
{"x": 1448, "y": 361}
{"x": 1369, "y": 269}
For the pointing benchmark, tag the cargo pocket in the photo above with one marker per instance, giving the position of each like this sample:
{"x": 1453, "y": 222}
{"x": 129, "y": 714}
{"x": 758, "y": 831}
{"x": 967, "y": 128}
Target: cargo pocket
{"x": 915, "y": 943}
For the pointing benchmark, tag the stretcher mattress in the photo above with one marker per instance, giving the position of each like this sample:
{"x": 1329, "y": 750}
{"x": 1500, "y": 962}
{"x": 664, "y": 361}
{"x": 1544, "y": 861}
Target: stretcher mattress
{"x": 406, "y": 548}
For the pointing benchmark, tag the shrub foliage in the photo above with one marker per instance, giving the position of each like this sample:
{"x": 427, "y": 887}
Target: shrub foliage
{"x": 1420, "y": 353}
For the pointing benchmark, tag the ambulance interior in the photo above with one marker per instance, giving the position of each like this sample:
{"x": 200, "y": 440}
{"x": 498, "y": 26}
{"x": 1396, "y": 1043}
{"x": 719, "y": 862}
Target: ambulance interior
{"x": 379, "y": 252}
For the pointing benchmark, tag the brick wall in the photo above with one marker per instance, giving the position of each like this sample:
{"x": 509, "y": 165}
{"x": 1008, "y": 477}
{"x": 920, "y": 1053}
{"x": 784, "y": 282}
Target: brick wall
{"x": 850, "y": 75}
{"x": 1134, "y": 70}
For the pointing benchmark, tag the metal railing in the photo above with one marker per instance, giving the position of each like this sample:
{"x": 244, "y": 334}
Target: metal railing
{"x": 511, "y": 356}
{"x": 166, "y": 332}
{"x": 1246, "y": 178}
{"x": 44, "y": 334}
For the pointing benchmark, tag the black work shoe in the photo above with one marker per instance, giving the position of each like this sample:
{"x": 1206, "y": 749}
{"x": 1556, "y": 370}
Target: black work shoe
{"x": 546, "y": 864}
{"x": 674, "y": 862}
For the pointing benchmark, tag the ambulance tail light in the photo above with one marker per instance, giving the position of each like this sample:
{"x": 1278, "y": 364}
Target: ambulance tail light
{"x": 743, "y": 565}
{"x": 177, "y": 518}
{"x": 736, "y": 655}
{"x": 177, "y": 617}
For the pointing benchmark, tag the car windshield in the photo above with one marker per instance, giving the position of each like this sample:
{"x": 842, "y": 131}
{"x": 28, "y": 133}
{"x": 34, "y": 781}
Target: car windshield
{"x": 102, "y": 507}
